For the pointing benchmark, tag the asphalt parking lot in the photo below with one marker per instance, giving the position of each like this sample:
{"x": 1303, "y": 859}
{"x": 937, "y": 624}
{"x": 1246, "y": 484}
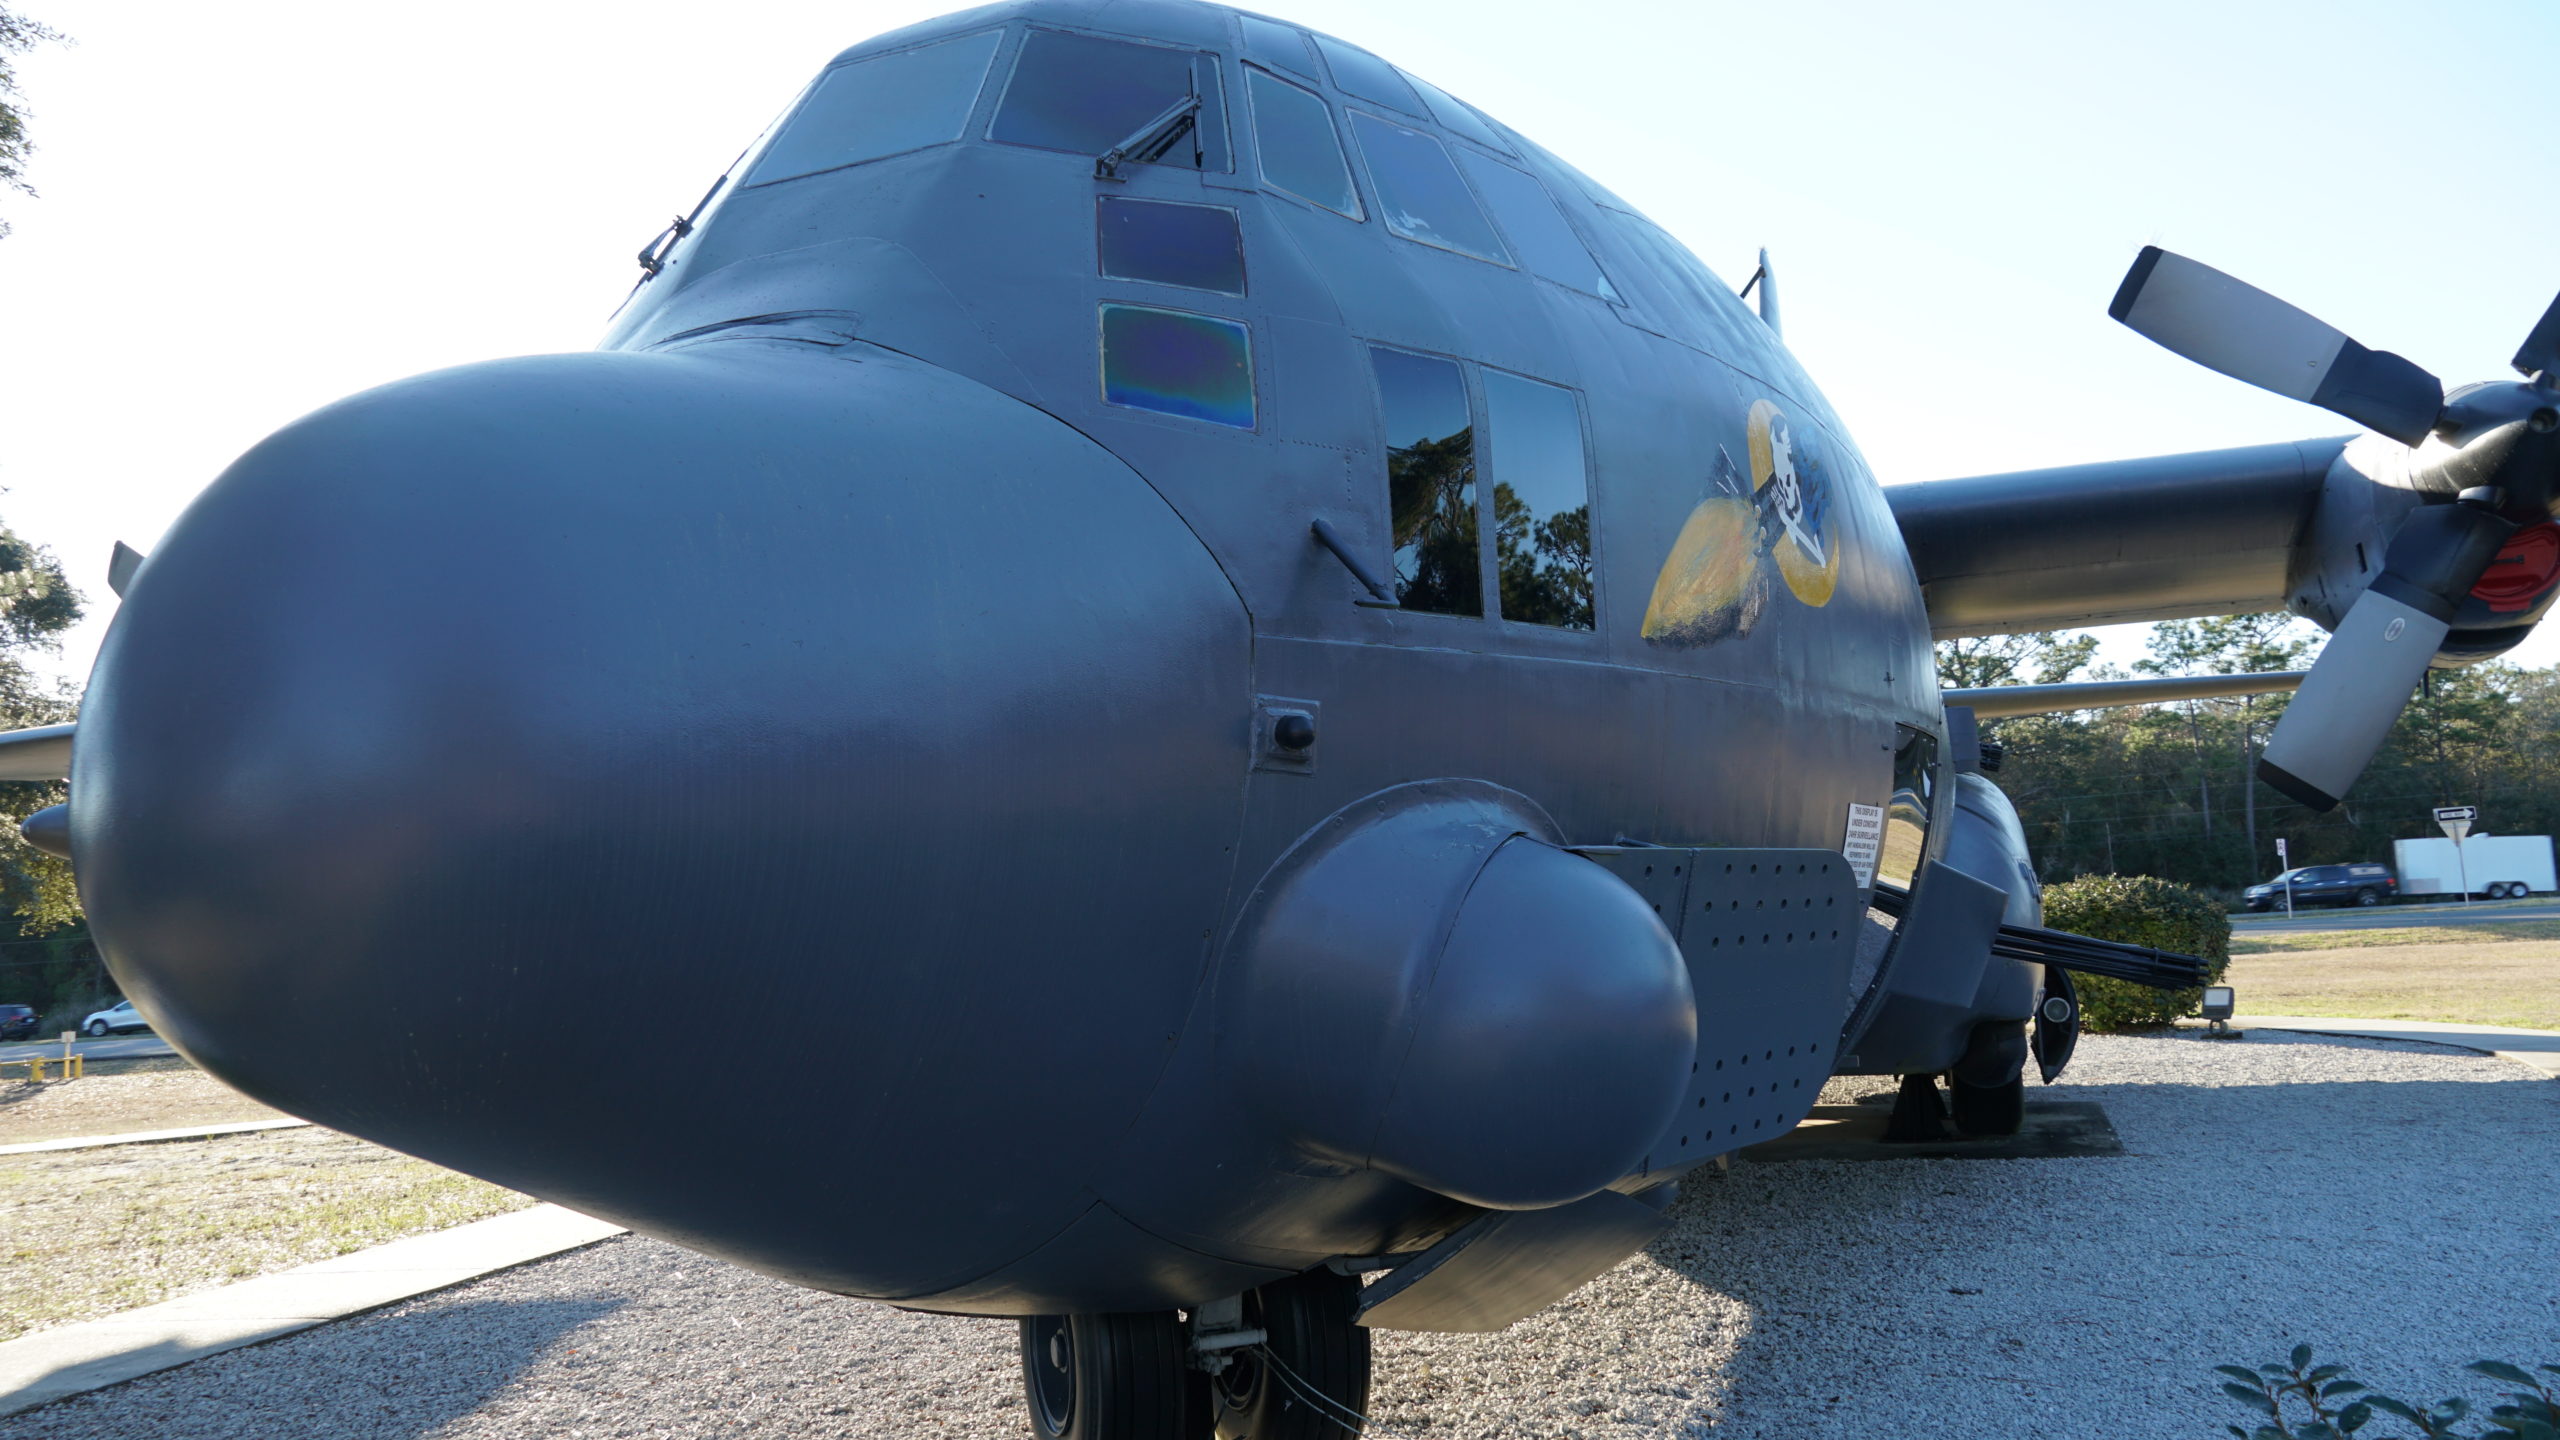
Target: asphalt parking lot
{"x": 140, "y": 1046}
{"x": 2399, "y": 917}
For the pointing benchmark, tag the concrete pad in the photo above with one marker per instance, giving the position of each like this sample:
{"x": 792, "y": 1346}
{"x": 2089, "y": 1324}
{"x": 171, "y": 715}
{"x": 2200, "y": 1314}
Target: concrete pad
{"x": 2054, "y": 1129}
{"x": 147, "y": 1137}
{"x": 2536, "y": 1049}
{"x": 50, "y": 1364}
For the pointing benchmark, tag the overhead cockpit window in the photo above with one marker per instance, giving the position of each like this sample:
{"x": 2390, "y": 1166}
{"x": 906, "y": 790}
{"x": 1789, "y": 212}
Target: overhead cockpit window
{"x": 885, "y": 105}
{"x": 1170, "y": 244}
{"x": 1431, "y": 482}
{"x": 1541, "y": 502}
{"x": 1299, "y": 152}
{"x": 1419, "y": 191}
{"x": 1537, "y": 229}
{"x": 1357, "y": 72}
{"x": 1177, "y": 363}
{"x": 1277, "y": 45}
{"x": 1087, "y": 95}
{"x": 1459, "y": 116}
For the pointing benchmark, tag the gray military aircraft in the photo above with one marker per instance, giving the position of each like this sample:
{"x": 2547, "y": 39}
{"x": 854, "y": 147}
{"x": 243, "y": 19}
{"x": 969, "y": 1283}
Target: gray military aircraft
{"x": 1291, "y": 690}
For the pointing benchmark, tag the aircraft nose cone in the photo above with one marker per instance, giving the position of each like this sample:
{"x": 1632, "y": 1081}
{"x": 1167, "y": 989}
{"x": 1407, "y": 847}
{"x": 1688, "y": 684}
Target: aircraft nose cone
{"x": 776, "y": 800}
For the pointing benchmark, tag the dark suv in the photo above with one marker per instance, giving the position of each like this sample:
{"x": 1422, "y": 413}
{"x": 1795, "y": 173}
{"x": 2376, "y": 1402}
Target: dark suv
{"x": 2325, "y": 885}
{"x": 17, "y": 1022}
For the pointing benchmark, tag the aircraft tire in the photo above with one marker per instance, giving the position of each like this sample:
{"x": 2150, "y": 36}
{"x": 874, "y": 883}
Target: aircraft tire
{"x": 1987, "y": 1089}
{"x": 1312, "y": 1334}
{"x": 1112, "y": 1377}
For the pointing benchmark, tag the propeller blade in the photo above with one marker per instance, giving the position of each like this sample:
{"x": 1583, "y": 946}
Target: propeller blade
{"x": 2242, "y": 331}
{"x": 120, "y": 567}
{"x": 2541, "y": 352}
{"x": 2362, "y": 680}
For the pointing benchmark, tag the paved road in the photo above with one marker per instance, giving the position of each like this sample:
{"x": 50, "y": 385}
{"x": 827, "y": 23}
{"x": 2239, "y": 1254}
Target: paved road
{"x": 115, "y": 1047}
{"x": 2397, "y": 917}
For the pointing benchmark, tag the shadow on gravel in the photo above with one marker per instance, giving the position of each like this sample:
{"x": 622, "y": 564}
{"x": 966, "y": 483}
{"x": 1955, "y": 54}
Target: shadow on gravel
{"x": 2241, "y": 1218}
{"x": 393, "y": 1375}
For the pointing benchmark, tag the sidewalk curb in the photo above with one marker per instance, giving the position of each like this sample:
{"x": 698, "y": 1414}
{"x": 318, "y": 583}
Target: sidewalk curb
{"x": 54, "y": 1364}
{"x": 2537, "y": 1050}
{"x": 148, "y": 1137}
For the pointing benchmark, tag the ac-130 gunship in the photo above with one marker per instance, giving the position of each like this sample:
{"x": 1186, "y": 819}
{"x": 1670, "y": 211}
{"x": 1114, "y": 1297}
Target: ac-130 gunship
{"x": 1291, "y": 690}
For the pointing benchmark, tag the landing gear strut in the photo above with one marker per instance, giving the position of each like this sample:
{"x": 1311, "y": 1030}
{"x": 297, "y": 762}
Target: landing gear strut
{"x": 1987, "y": 1089}
{"x": 1284, "y": 1362}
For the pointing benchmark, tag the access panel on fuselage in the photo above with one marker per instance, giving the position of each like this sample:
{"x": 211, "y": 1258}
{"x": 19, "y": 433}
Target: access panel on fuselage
{"x": 1768, "y": 935}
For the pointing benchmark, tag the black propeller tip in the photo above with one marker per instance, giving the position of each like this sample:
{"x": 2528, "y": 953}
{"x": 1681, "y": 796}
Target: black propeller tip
{"x": 2134, "y": 279}
{"x": 2297, "y": 788}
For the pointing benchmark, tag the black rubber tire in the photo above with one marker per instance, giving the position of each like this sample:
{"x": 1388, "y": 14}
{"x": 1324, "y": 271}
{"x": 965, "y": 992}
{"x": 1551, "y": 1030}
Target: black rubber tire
{"x": 1987, "y": 1089}
{"x": 97, "y": 1029}
{"x": 1112, "y": 1377}
{"x": 1309, "y": 1320}
{"x": 2368, "y": 896}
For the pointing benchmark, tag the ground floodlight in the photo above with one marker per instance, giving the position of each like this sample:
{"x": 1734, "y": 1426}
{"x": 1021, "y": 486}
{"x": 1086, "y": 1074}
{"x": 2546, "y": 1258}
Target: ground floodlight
{"x": 2218, "y": 1003}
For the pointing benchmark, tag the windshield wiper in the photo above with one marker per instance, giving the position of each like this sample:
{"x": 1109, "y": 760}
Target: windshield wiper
{"x": 1148, "y": 142}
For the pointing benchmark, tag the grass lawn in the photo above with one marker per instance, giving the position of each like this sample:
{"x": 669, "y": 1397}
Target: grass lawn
{"x": 2501, "y": 974}
{"x": 86, "y": 1233}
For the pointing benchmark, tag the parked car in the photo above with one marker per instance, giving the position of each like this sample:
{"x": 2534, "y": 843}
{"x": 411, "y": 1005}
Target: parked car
{"x": 121, "y": 1019}
{"x": 18, "y": 1022}
{"x": 2361, "y": 884}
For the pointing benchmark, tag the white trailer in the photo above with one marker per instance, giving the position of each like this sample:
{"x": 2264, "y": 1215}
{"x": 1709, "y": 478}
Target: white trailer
{"x": 2496, "y": 865}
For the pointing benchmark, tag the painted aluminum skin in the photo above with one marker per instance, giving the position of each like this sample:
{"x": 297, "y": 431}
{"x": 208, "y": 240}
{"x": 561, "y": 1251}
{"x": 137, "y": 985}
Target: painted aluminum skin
{"x": 1165, "y": 920}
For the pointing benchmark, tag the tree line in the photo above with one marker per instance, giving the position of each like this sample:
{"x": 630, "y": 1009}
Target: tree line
{"x": 2170, "y": 790}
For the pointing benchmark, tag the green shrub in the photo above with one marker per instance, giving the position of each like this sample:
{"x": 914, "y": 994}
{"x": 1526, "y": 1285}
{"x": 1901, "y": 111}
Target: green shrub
{"x": 2139, "y": 910}
{"x": 2295, "y": 1400}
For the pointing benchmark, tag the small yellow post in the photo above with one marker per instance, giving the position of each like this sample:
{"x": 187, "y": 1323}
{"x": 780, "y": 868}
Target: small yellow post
{"x": 35, "y": 1069}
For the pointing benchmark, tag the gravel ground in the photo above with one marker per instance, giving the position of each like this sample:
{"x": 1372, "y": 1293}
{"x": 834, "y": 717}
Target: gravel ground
{"x": 2393, "y": 1205}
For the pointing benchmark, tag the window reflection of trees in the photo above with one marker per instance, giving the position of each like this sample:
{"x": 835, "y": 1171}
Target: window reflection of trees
{"x": 1545, "y": 564}
{"x": 1431, "y": 494}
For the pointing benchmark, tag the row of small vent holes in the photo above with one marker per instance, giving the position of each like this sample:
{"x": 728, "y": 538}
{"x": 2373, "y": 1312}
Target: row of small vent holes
{"x": 1708, "y": 908}
{"x": 1810, "y": 1051}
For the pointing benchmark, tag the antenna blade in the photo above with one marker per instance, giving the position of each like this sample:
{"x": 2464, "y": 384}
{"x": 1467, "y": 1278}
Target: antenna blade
{"x": 2541, "y": 352}
{"x": 120, "y": 567}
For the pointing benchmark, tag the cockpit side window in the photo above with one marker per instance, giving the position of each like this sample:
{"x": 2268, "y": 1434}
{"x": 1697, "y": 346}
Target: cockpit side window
{"x": 1907, "y": 814}
{"x": 1294, "y": 140}
{"x": 880, "y": 106}
{"x": 1085, "y": 94}
{"x": 1541, "y": 502}
{"x": 1357, "y": 72}
{"x": 1538, "y": 231}
{"x": 1420, "y": 192}
{"x": 1431, "y": 482}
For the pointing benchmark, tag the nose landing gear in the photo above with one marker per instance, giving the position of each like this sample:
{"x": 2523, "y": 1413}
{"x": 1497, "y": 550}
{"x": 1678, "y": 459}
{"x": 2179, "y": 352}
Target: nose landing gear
{"x": 1284, "y": 1362}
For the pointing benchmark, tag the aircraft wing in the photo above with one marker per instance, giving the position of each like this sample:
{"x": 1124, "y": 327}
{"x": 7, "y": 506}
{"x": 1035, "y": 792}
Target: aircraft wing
{"x": 42, "y": 753}
{"x": 2163, "y": 538}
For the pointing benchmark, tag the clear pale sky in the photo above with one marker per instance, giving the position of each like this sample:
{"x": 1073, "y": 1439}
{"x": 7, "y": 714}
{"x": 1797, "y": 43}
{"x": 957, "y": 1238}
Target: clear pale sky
{"x": 250, "y": 209}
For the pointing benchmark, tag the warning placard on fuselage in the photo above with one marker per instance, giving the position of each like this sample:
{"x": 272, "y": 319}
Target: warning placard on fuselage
{"x": 1865, "y": 838}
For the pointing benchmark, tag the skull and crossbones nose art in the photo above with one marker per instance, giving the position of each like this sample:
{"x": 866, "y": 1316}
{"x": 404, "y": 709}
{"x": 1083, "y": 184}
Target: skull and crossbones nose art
{"x": 1774, "y": 519}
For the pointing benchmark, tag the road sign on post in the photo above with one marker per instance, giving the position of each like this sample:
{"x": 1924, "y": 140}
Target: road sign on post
{"x": 2284, "y": 865}
{"x": 2456, "y": 820}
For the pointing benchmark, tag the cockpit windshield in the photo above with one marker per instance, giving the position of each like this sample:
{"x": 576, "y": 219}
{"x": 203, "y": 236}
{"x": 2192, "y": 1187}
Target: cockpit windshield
{"x": 880, "y": 106}
{"x": 1087, "y": 95}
